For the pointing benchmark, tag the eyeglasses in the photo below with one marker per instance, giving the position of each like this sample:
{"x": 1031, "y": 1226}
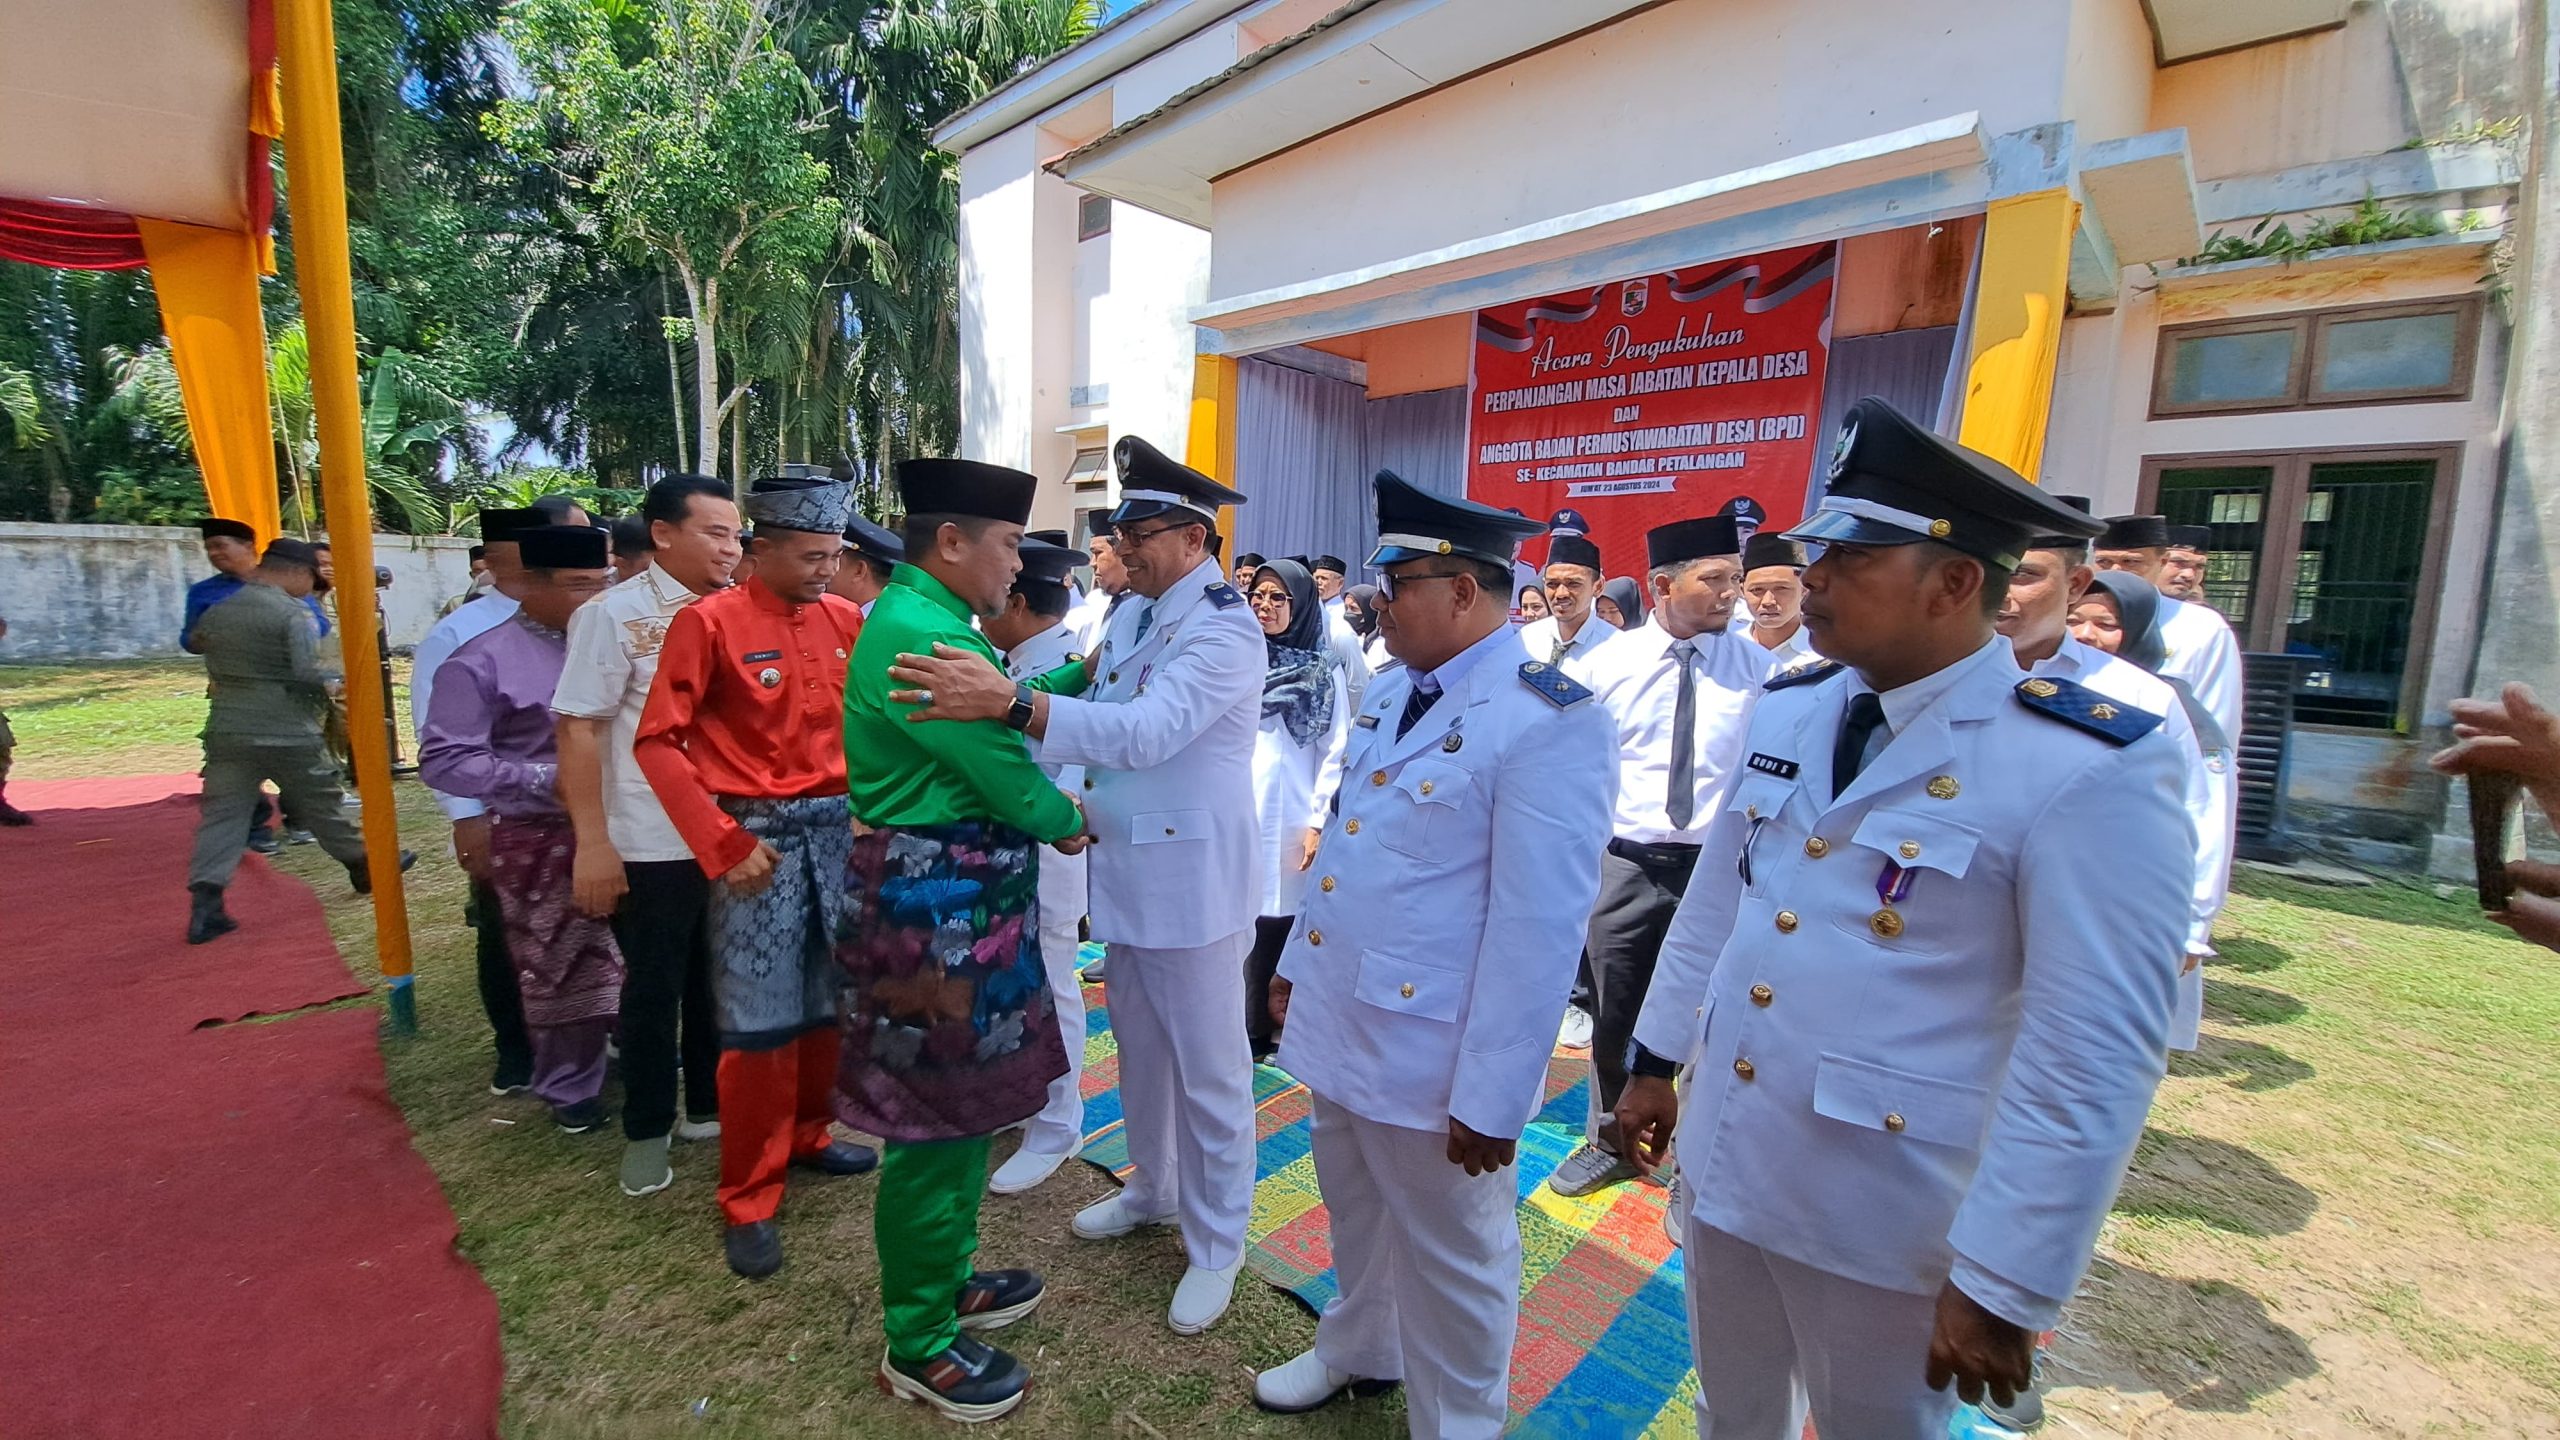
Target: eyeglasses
{"x": 1269, "y": 597}
{"x": 1131, "y": 537}
{"x": 1388, "y": 581}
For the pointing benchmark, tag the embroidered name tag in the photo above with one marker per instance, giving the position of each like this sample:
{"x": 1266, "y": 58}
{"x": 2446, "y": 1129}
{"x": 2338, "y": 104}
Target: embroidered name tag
{"x": 764, "y": 655}
{"x": 1772, "y": 765}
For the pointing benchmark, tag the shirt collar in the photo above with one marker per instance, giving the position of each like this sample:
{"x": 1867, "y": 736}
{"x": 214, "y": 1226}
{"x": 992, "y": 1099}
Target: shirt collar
{"x": 1051, "y": 635}
{"x": 768, "y": 602}
{"x": 915, "y": 577}
{"x": 1454, "y": 670}
{"x": 664, "y": 588}
{"x": 1905, "y": 703}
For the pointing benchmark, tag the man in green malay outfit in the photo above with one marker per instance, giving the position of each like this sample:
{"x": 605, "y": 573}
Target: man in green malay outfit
{"x": 950, "y": 1031}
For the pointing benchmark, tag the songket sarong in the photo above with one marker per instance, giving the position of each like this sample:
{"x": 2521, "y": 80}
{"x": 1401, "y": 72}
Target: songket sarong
{"x": 949, "y": 1029}
{"x": 566, "y": 963}
{"x": 773, "y": 972}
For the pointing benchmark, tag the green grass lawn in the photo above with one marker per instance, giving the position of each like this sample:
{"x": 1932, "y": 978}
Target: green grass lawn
{"x": 2345, "y": 1218}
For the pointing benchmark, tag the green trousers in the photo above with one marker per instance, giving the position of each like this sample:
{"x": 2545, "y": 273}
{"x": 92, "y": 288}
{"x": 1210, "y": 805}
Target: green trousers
{"x": 924, "y": 1224}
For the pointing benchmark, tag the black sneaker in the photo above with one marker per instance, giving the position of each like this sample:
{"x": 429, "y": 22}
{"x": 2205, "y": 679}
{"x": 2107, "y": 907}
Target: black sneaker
{"x": 511, "y": 1077}
{"x": 582, "y": 1117}
{"x": 264, "y": 841}
{"x": 755, "y": 1248}
{"x": 206, "y": 919}
{"x": 971, "y": 1382}
{"x": 1588, "y": 1169}
{"x": 362, "y": 878}
{"x": 12, "y": 816}
{"x": 839, "y": 1158}
{"x": 994, "y": 1299}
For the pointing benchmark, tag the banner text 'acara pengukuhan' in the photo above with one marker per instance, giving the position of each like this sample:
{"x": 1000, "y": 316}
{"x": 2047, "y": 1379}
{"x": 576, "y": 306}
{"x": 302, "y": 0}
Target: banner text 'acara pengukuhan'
{"x": 1654, "y": 399}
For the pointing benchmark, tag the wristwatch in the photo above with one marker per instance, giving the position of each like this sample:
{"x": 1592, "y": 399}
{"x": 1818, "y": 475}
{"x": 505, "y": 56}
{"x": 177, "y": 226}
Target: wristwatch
{"x": 1019, "y": 717}
{"x": 1641, "y": 1061}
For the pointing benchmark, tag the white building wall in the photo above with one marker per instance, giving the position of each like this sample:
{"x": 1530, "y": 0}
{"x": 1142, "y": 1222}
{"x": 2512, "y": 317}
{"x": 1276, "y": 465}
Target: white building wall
{"x": 999, "y": 264}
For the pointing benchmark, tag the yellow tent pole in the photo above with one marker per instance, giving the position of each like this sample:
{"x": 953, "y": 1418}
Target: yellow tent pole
{"x": 1211, "y": 447}
{"x": 2017, "y": 327}
{"x": 315, "y": 166}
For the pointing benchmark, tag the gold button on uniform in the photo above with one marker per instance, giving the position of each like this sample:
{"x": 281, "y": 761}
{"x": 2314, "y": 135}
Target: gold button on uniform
{"x": 1816, "y": 846}
{"x": 1350, "y": 827}
{"x": 1743, "y": 1069}
{"x": 1761, "y": 995}
{"x": 1327, "y": 883}
{"x": 1405, "y": 990}
{"x": 1377, "y": 777}
{"x": 1426, "y": 787}
{"x": 1893, "y": 1122}
{"x": 1315, "y": 937}
{"x": 1910, "y": 849}
{"x": 1786, "y": 922}
{"x": 1943, "y": 787}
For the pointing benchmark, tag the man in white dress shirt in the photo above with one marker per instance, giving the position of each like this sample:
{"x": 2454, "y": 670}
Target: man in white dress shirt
{"x": 499, "y": 996}
{"x": 1035, "y": 638}
{"x": 1676, "y": 688}
{"x": 631, "y": 866}
{"x": 1773, "y": 588}
{"x": 1570, "y": 632}
{"x": 1163, "y": 723}
{"x": 1927, "y": 1028}
{"x": 1329, "y": 572}
{"x": 870, "y": 552}
{"x": 1427, "y": 969}
{"x": 2182, "y": 565}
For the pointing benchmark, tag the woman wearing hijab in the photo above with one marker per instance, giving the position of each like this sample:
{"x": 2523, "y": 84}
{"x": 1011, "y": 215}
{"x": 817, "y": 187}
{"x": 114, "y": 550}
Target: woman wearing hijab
{"x": 2119, "y": 614}
{"x": 1360, "y": 612}
{"x": 1296, "y": 762}
{"x": 1532, "y": 604}
{"x": 1620, "y": 602}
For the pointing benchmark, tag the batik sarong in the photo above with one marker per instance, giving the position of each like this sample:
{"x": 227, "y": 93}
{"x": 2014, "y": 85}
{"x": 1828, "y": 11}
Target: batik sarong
{"x": 773, "y": 971}
{"x": 949, "y": 1027}
{"x": 566, "y": 963}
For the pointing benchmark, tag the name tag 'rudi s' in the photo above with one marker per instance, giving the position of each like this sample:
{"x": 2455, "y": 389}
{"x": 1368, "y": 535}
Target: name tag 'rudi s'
{"x": 1772, "y": 765}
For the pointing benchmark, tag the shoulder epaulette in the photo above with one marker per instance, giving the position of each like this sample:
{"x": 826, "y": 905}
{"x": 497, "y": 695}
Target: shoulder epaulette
{"x": 1553, "y": 685}
{"x": 1803, "y": 673}
{"x": 2080, "y": 706}
{"x": 1222, "y": 595}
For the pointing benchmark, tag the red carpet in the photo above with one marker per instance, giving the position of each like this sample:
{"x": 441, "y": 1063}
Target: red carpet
{"x": 211, "y": 1229}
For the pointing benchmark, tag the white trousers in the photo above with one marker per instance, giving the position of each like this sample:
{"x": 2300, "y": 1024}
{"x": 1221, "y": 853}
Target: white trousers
{"x": 1186, "y": 1089}
{"x": 1428, "y": 1260}
{"x": 1059, "y": 1127}
{"x": 1771, "y": 1336}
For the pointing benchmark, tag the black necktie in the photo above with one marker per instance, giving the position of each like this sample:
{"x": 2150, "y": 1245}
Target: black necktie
{"x": 1682, "y": 801}
{"x": 1849, "y": 752}
{"x": 1416, "y": 701}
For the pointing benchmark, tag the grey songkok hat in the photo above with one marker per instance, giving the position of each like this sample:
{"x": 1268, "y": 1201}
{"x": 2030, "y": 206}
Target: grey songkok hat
{"x": 820, "y": 507}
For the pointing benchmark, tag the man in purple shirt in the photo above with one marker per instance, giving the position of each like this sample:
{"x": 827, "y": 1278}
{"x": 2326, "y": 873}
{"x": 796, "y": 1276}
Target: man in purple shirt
{"x": 488, "y": 737}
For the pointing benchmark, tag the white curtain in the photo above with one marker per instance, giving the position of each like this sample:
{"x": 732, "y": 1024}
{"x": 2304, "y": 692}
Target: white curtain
{"x": 1307, "y": 445}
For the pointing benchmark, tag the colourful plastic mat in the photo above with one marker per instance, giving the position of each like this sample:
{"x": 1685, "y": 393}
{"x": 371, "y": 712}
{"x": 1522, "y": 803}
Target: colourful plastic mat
{"x": 1603, "y": 1349}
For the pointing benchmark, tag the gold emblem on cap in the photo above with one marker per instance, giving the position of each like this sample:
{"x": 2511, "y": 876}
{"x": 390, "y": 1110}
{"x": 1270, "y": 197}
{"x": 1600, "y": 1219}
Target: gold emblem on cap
{"x": 2102, "y": 712}
{"x": 1940, "y": 529}
{"x": 1886, "y": 922}
{"x": 2042, "y": 689}
{"x": 1943, "y": 787}
{"x": 768, "y": 677}
{"x": 1444, "y": 547}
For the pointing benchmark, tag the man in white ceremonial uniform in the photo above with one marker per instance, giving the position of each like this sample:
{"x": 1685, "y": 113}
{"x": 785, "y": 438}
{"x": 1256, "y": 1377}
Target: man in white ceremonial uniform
{"x": 1428, "y": 968}
{"x": 1773, "y": 590}
{"x": 1569, "y": 632}
{"x": 1928, "y": 1029}
{"x": 2200, "y": 660}
{"x": 1676, "y": 688}
{"x": 1162, "y": 716}
{"x": 1034, "y": 635}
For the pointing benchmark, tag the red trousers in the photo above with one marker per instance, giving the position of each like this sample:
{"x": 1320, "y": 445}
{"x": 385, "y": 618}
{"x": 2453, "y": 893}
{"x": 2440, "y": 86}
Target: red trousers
{"x": 774, "y": 1107}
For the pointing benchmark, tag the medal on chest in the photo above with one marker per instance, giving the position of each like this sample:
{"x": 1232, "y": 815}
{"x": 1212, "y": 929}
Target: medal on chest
{"x": 1893, "y": 887}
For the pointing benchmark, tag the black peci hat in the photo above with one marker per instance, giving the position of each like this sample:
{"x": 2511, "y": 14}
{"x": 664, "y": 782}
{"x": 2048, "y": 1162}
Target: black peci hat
{"x": 2191, "y": 537}
{"x": 1332, "y": 563}
{"x": 1762, "y": 552}
{"x": 1414, "y": 524}
{"x": 1894, "y": 483}
{"x": 285, "y": 550}
{"x": 1699, "y": 538}
{"x": 966, "y": 487}
{"x": 1568, "y": 548}
{"x": 214, "y": 527}
{"x": 2135, "y": 532}
{"x": 1152, "y": 483}
{"x": 1046, "y": 537}
{"x": 564, "y": 547}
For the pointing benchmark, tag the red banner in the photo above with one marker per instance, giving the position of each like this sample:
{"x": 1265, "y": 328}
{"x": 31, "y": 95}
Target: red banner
{"x": 1649, "y": 400}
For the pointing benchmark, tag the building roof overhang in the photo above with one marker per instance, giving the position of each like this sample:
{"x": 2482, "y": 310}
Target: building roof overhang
{"x": 2193, "y": 29}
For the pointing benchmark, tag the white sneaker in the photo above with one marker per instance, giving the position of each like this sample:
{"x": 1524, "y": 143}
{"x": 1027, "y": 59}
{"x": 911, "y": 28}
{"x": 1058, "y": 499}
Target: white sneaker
{"x": 1201, "y": 1298}
{"x": 1308, "y": 1383}
{"x": 691, "y": 1131}
{"x": 1575, "y": 1033}
{"x": 1110, "y": 1217}
{"x": 1024, "y": 1170}
{"x": 1675, "y": 1212}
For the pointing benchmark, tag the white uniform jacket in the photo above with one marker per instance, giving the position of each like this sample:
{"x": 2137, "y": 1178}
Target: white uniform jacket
{"x": 1062, "y": 888}
{"x": 1433, "y": 951}
{"x": 1955, "y": 1079}
{"x": 2204, "y": 656}
{"x": 1292, "y": 792}
{"x": 1165, "y": 732}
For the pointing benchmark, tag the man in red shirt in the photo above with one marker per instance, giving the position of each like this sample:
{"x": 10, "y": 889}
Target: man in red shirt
{"x": 743, "y": 742}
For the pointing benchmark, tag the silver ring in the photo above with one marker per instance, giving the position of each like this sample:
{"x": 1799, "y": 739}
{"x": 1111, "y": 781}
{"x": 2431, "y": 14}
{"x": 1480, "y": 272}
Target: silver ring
{"x": 924, "y": 697}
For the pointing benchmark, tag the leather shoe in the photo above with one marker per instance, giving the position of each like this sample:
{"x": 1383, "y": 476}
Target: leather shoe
{"x": 755, "y": 1248}
{"x": 1201, "y": 1298}
{"x": 1113, "y": 1216}
{"x": 1023, "y": 1170}
{"x": 206, "y": 919}
{"x": 1307, "y": 1383}
{"x": 841, "y": 1157}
